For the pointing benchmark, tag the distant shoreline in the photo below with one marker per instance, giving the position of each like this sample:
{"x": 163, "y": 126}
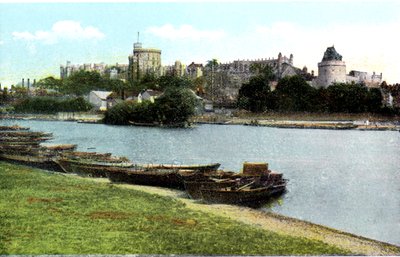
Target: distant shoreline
{"x": 351, "y": 121}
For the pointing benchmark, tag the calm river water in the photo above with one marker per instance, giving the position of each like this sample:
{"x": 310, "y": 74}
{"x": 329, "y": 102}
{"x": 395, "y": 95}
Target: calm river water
{"x": 348, "y": 180}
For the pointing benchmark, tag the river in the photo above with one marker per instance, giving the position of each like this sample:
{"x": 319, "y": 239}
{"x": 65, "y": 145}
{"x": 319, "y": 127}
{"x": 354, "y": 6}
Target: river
{"x": 348, "y": 180}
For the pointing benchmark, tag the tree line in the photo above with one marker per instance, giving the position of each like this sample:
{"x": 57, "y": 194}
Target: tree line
{"x": 294, "y": 94}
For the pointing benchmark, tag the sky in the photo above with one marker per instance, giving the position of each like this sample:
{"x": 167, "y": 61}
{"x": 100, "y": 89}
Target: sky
{"x": 36, "y": 38}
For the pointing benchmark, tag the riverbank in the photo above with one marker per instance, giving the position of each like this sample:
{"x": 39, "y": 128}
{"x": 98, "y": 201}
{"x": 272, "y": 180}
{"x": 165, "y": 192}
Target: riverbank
{"x": 276, "y": 120}
{"x": 65, "y": 214}
{"x": 336, "y": 121}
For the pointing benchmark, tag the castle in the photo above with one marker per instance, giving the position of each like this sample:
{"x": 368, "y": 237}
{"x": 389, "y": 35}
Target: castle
{"x": 224, "y": 80}
{"x": 144, "y": 61}
{"x": 115, "y": 71}
{"x": 332, "y": 69}
{"x": 229, "y": 77}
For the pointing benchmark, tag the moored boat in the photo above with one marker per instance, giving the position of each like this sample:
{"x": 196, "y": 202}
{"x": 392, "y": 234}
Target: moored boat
{"x": 193, "y": 188}
{"x": 155, "y": 177}
{"x": 91, "y": 164}
{"x": 34, "y": 160}
{"x": 197, "y": 167}
{"x": 252, "y": 196}
{"x": 23, "y": 134}
{"x": 12, "y": 128}
{"x": 253, "y": 186}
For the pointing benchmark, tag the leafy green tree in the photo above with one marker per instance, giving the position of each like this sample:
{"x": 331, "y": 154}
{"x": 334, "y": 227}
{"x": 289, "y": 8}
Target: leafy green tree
{"x": 374, "y": 100}
{"x": 176, "y": 105}
{"x": 118, "y": 86}
{"x": 295, "y": 94}
{"x": 50, "y": 83}
{"x": 255, "y": 96}
{"x": 4, "y": 96}
{"x": 212, "y": 64}
{"x": 82, "y": 82}
{"x": 170, "y": 81}
{"x": 51, "y": 105}
{"x": 119, "y": 114}
{"x": 347, "y": 97}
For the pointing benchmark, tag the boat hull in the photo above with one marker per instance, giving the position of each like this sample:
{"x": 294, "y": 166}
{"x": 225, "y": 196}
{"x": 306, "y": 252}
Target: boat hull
{"x": 193, "y": 188}
{"x": 250, "y": 197}
{"x": 89, "y": 169}
{"x": 42, "y": 162}
{"x": 200, "y": 167}
{"x": 161, "y": 178}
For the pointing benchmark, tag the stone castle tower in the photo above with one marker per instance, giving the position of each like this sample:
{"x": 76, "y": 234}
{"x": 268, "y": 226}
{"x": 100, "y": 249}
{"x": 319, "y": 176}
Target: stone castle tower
{"x": 331, "y": 69}
{"x": 144, "y": 60}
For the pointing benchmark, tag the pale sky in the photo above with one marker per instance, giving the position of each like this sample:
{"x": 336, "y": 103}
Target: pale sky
{"x": 35, "y": 38}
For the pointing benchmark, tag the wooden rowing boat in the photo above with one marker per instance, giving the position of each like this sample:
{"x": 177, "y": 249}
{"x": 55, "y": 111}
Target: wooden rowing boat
{"x": 12, "y": 128}
{"x": 38, "y": 161}
{"x": 242, "y": 196}
{"x": 197, "y": 167}
{"x": 91, "y": 164}
{"x": 28, "y": 140}
{"x": 193, "y": 188}
{"x": 169, "y": 178}
{"x": 23, "y": 134}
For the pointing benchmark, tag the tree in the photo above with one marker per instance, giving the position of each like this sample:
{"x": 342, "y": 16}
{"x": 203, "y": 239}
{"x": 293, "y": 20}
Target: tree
{"x": 255, "y": 96}
{"x": 347, "y": 97}
{"x": 212, "y": 66}
{"x": 50, "y": 83}
{"x": 82, "y": 82}
{"x": 295, "y": 94}
{"x": 4, "y": 96}
{"x": 170, "y": 81}
{"x": 263, "y": 70}
{"x": 374, "y": 100}
{"x": 176, "y": 105}
{"x": 173, "y": 107}
{"x": 118, "y": 86}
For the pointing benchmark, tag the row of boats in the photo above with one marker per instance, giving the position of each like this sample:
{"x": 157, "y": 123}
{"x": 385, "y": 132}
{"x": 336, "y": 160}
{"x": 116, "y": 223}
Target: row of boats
{"x": 254, "y": 186}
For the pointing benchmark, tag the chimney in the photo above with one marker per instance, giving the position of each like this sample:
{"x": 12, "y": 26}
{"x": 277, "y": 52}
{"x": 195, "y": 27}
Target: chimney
{"x": 23, "y": 83}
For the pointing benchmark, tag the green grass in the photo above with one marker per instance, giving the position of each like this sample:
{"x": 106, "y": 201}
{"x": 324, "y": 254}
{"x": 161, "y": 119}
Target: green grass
{"x": 49, "y": 213}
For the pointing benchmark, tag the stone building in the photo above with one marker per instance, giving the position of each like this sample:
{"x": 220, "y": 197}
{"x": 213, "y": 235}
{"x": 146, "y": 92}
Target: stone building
{"x": 115, "y": 71}
{"x": 225, "y": 80}
{"x": 144, "y": 61}
{"x": 195, "y": 70}
{"x": 369, "y": 80}
{"x": 332, "y": 69}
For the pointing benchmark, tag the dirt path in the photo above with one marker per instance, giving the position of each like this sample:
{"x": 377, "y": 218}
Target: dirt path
{"x": 277, "y": 223}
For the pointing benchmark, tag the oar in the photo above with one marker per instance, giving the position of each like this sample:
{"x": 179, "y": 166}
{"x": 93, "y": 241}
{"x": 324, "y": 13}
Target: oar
{"x": 247, "y": 185}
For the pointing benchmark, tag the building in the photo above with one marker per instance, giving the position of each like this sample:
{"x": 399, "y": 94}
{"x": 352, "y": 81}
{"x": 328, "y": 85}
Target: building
{"x": 148, "y": 95}
{"x": 178, "y": 69}
{"x": 144, "y": 61}
{"x": 195, "y": 70}
{"x": 370, "y": 80}
{"x": 101, "y": 100}
{"x": 115, "y": 71}
{"x": 332, "y": 69}
{"x": 225, "y": 80}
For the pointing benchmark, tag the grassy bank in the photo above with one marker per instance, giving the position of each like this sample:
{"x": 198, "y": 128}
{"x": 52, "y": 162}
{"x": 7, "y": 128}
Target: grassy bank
{"x": 49, "y": 213}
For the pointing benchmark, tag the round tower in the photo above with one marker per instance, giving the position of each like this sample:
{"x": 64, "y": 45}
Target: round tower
{"x": 331, "y": 69}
